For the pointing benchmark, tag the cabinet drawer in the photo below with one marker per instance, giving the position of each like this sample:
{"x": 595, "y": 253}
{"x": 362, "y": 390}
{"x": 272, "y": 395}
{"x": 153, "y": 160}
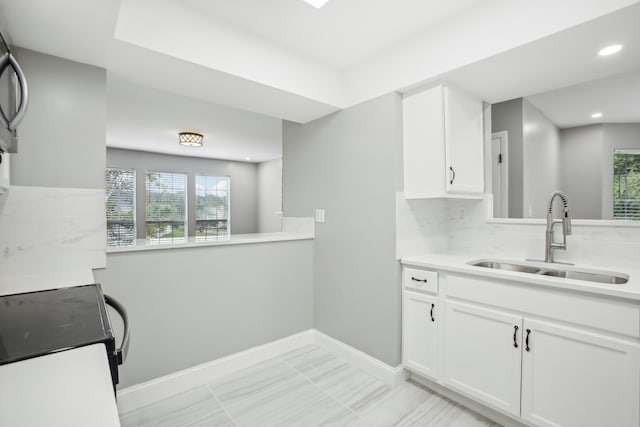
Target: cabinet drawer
{"x": 421, "y": 280}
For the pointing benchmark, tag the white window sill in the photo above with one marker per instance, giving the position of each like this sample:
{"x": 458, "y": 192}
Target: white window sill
{"x": 236, "y": 239}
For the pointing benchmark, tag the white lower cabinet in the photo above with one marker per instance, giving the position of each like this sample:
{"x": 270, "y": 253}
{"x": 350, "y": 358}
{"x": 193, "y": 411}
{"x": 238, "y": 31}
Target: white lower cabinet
{"x": 546, "y": 373}
{"x": 575, "y": 378}
{"x": 481, "y": 359}
{"x": 508, "y": 346}
{"x": 420, "y": 333}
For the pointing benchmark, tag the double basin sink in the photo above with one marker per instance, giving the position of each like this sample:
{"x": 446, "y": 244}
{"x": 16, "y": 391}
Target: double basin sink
{"x": 555, "y": 271}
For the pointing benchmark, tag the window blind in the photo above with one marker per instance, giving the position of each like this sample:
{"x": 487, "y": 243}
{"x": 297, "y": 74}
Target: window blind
{"x": 166, "y": 205}
{"x": 212, "y": 207}
{"x": 120, "y": 187}
{"x": 626, "y": 184}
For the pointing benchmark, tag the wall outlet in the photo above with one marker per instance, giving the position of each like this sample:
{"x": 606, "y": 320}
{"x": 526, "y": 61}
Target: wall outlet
{"x": 319, "y": 215}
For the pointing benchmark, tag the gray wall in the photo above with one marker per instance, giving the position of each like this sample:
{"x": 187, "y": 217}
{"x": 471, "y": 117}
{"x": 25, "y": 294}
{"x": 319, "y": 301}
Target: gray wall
{"x": 62, "y": 137}
{"x": 582, "y": 170}
{"x": 244, "y": 205}
{"x": 346, "y": 163}
{"x": 540, "y": 161}
{"x": 193, "y": 305}
{"x": 270, "y": 196}
{"x": 507, "y": 116}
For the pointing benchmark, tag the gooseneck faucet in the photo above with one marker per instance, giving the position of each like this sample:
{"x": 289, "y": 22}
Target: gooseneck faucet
{"x": 550, "y": 244}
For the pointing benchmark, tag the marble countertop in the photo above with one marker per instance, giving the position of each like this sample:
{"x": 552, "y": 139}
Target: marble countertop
{"x": 235, "y": 239}
{"x": 459, "y": 264}
{"x": 68, "y": 388}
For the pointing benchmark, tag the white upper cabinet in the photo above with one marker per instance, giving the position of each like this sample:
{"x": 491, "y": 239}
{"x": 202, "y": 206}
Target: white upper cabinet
{"x": 443, "y": 144}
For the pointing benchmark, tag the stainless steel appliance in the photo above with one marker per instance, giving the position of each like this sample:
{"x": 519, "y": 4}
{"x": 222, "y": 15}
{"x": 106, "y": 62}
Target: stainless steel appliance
{"x": 14, "y": 98}
{"x": 34, "y": 324}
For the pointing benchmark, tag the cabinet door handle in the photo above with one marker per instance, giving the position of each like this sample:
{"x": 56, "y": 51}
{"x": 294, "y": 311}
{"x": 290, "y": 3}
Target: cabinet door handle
{"x": 453, "y": 175}
{"x": 419, "y": 280}
{"x": 515, "y": 339}
{"x": 526, "y": 342}
{"x": 432, "y": 307}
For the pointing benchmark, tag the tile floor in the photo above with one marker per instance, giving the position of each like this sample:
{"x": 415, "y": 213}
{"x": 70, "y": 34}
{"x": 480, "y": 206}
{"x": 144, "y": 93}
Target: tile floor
{"x": 306, "y": 387}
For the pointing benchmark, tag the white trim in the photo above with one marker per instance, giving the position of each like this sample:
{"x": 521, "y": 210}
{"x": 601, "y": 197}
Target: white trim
{"x": 149, "y": 392}
{"x": 392, "y": 376}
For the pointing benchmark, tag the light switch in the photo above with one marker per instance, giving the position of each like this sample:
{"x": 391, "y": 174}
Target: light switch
{"x": 319, "y": 215}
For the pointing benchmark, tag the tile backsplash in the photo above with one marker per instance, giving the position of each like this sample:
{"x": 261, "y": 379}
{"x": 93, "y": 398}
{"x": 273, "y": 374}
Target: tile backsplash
{"x": 467, "y": 231}
{"x": 47, "y": 230}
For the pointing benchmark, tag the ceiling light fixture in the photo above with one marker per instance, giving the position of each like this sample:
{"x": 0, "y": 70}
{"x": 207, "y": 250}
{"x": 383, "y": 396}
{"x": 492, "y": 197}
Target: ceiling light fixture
{"x": 596, "y": 115}
{"x": 316, "y": 3}
{"x": 610, "y": 50}
{"x": 190, "y": 139}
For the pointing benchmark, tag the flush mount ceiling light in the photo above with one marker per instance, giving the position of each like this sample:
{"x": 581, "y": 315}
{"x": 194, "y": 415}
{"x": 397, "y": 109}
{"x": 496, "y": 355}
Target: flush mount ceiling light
{"x": 316, "y": 3}
{"x": 190, "y": 139}
{"x": 610, "y": 50}
{"x": 596, "y": 115}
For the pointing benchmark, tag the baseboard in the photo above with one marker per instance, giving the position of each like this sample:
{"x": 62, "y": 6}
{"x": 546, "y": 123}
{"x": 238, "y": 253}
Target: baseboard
{"x": 148, "y": 392}
{"x": 392, "y": 376}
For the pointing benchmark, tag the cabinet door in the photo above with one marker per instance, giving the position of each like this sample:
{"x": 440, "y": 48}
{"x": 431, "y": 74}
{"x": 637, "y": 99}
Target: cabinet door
{"x": 464, "y": 142}
{"x": 574, "y": 378}
{"x": 420, "y": 333}
{"x": 483, "y": 354}
{"x": 423, "y": 145}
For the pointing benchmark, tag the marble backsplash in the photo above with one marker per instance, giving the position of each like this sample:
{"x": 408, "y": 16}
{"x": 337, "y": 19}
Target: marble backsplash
{"x": 50, "y": 230}
{"x": 467, "y": 231}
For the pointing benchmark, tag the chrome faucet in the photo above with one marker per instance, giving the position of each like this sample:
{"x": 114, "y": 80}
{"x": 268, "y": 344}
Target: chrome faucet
{"x": 550, "y": 244}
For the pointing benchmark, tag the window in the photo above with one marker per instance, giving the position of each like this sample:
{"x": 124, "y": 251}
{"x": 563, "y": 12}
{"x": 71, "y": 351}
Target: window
{"x": 212, "y": 207}
{"x": 166, "y": 207}
{"x": 626, "y": 184}
{"x": 120, "y": 187}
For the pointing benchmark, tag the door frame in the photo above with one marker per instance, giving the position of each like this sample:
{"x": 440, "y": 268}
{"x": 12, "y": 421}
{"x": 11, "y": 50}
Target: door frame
{"x": 501, "y": 200}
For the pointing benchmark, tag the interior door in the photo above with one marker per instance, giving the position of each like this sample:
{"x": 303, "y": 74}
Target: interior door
{"x": 573, "y": 378}
{"x": 483, "y": 357}
{"x": 500, "y": 174}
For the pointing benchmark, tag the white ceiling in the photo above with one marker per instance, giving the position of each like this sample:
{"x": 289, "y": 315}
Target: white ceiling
{"x": 616, "y": 97}
{"x": 341, "y": 33}
{"x": 147, "y": 119}
{"x": 288, "y": 60}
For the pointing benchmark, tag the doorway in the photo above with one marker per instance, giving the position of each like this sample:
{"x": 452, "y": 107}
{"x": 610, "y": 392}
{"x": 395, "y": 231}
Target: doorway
{"x": 500, "y": 174}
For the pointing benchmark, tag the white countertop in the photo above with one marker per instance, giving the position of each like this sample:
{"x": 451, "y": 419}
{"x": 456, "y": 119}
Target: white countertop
{"x": 235, "y": 239}
{"x": 64, "y": 389}
{"x": 458, "y": 264}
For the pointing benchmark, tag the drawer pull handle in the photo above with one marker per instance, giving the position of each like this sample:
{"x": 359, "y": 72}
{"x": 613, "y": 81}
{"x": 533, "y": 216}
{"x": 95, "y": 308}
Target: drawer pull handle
{"x": 453, "y": 175}
{"x": 419, "y": 280}
{"x": 515, "y": 340}
{"x": 527, "y": 340}
{"x": 432, "y": 307}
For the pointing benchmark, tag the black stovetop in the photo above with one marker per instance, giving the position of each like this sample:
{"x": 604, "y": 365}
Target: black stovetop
{"x": 38, "y": 323}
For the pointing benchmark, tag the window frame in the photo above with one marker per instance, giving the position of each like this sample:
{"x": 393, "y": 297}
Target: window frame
{"x": 134, "y": 207}
{"x": 163, "y": 240}
{"x": 636, "y": 217}
{"x": 206, "y": 238}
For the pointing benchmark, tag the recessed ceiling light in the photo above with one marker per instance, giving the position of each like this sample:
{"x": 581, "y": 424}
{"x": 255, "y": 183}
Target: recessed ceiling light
{"x": 610, "y": 50}
{"x": 316, "y": 3}
{"x": 596, "y": 115}
{"x": 247, "y": 158}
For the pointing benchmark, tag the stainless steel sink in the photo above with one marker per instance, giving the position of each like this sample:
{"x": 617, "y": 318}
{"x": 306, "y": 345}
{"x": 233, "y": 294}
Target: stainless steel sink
{"x": 507, "y": 266}
{"x": 614, "y": 279}
{"x": 566, "y": 273}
